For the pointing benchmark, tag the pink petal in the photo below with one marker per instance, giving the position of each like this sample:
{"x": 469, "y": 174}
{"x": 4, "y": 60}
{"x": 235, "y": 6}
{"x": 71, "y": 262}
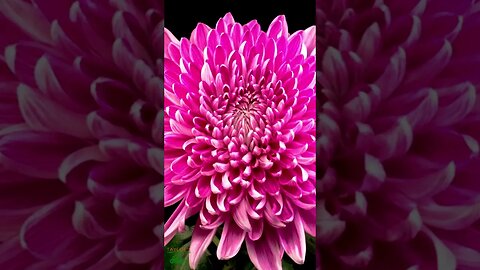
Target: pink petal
{"x": 75, "y": 159}
{"x": 278, "y": 28}
{"x": 266, "y": 252}
{"x": 35, "y": 25}
{"x": 175, "y": 223}
{"x": 35, "y": 153}
{"x": 309, "y": 220}
{"x": 199, "y": 35}
{"x": 201, "y": 238}
{"x": 257, "y": 229}
{"x": 241, "y": 217}
{"x": 173, "y": 194}
{"x": 94, "y": 220}
{"x": 40, "y": 236}
{"x": 231, "y": 240}
{"x": 455, "y": 217}
{"x": 138, "y": 246}
{"x": 14, "y": 256}
{"x": 292, "y": 238}
{"x": 309, "y": 36}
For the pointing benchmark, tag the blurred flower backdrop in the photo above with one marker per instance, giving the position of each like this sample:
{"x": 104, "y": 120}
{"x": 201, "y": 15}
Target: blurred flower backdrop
{"x": 398, "y": 132}
{"x": 240, "y": 141}
{"x": 81, "y": 140}
{"x": 81, "y": 134}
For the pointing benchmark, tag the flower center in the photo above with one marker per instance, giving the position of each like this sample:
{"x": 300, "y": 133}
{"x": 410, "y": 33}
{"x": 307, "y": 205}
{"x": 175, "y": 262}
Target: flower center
{"x": 245, "y": 111}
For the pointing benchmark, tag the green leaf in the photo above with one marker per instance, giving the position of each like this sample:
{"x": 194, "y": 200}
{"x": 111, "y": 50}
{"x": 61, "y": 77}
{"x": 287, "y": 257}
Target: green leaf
{"x": 287, "y": 266}
{"x": 230, "y": 265}
{"x": 250, "y": 266}
{"x": 311, "y": 243}
{"x": 215, "y": 240}
{"x": 177, "y": 260}
{"x": 176, "y": 252}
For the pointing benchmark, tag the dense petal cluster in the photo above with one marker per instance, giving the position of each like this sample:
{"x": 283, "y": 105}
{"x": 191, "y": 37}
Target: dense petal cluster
{"x": 81, "y": 107}
{"x": 398, "y": 133}
{"x": 240, "y": 139}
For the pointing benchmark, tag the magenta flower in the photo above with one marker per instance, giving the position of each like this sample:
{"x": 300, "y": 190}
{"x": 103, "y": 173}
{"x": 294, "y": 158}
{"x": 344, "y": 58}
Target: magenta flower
{"x": 81, "y": 107}
{"x": 240, "y": 139}
{"x": 398, "y": 134}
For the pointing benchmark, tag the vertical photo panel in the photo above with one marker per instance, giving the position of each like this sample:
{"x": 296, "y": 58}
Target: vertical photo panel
{"x": 240, "y": 135}
{"x": 81, "y": 134}
{"x": 398, "y": 134}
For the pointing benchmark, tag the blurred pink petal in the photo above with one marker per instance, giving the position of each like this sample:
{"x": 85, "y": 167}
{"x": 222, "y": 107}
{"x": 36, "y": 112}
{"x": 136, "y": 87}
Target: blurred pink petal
{"x": 396, "y": 133}
{"x": 81, "y": 107}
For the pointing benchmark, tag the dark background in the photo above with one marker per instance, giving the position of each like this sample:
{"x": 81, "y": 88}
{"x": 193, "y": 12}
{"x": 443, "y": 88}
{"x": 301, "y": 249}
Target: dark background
{"x": 181, "y": 17}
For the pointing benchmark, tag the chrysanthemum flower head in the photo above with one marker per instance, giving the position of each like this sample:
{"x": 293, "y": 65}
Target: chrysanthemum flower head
{"x": 240, "y": 139}
{"x": 398, "y": 134}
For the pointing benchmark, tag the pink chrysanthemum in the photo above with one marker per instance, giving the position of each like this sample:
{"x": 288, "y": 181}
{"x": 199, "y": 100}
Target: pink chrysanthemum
{"x": 81, "y": 107}
{"x": 398, "y": 134}
{"x": 240, "y": 139}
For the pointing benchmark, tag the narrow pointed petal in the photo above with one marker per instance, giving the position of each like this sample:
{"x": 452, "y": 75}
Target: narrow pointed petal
{"x": 231, "y": 240}
{"x": 266, "y": 252}
{"x": 201, "y": 238}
